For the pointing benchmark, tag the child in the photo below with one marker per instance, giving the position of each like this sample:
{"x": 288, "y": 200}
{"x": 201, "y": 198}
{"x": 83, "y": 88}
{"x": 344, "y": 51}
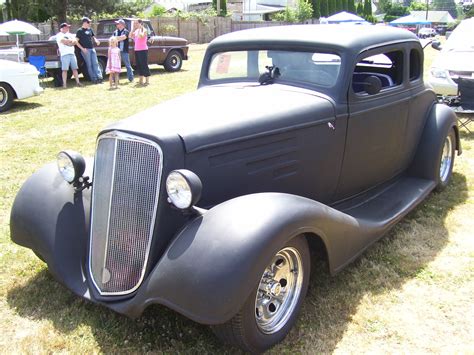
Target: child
{"x": 114, "y": 65}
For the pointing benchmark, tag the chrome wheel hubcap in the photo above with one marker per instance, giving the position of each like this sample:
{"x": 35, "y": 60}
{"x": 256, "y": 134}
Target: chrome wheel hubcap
{"x": 3, "y": 96}
{"x": 279, "y": 290}
{"x": 446, "y": 158}
{"x": 174, "y": 61}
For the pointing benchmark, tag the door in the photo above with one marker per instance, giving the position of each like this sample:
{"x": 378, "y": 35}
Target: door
{"x": 376, "y": 125}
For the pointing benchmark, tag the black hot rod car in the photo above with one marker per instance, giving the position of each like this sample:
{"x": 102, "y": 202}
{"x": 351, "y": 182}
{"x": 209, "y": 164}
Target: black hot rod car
{"x": 295, "y": 134}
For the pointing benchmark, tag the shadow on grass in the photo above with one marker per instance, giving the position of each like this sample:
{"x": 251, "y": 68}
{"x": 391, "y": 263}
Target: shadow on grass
{"x": 19, "y": 106}
{"x": 465, "y": 135}
{"x": 328, "y": 309}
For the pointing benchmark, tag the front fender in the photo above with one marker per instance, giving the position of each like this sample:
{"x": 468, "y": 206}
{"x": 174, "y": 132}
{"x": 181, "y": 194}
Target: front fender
{"x": 218, "y": 258}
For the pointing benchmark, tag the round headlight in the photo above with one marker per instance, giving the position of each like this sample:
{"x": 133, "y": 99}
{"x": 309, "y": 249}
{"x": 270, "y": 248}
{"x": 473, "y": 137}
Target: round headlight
{"x": 183, "y": 188}
{"x": 71, "y": 165}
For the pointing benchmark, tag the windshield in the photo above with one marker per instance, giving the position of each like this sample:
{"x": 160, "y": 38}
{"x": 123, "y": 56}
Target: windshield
{"x": 316, "y": 68}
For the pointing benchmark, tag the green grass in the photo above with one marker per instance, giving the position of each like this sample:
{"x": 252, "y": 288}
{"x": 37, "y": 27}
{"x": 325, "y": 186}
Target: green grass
{"x": 410, "y": 292}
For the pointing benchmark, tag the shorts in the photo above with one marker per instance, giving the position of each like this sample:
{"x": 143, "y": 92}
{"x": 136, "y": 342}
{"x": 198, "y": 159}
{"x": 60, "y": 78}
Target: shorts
{"x": 69, "y": 60}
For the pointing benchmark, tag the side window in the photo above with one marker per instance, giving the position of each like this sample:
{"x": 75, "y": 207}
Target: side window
{"x": 388, "y": 67}
{"x": 148, "y": 28}
{"x": 415, "y": 65}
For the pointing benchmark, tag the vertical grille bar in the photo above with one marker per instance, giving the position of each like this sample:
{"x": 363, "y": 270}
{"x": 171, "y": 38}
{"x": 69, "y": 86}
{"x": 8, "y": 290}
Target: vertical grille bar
{"x": 127, "y": 175}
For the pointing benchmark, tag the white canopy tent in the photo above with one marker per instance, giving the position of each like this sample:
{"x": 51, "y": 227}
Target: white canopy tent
{"x": 344, "y": 17}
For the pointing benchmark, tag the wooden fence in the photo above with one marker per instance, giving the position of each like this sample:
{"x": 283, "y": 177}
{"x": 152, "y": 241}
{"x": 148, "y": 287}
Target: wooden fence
{"x": 194, "y": 30}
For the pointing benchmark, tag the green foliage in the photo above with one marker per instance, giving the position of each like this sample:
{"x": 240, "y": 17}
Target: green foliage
{"x": 338, "y": 4}
{"x": 157, "y": 10}
{"x": 395, "y": 11}
{"x": 383, "y": 6}
{"x": 303, "y": 12}
{"x": 331, "y": 7}
{"x": 345, "y": 5}
{"x": 168, "y": 30}
{"x": 324, "y": 8}
{"x": 367, "y": 9}
{"x": 222, "y": 5}
{"x": 445, "y": 5}
{"x": 360, "y": 9}
{"x": 469, "y": 12}
{"x": 351, "y": 7}
{"x": 316, "y": 8}
{"x": 417, "y": 6}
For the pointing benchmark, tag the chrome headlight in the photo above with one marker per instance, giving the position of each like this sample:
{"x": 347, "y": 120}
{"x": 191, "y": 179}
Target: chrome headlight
{"x": 439, "y": 73}
{"x": 71, "y": 165}
{"x": 183, "y": 188}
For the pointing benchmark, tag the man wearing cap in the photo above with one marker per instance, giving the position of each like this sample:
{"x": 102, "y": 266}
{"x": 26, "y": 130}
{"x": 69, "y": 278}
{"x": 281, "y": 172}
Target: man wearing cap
{"x": 86, "y": 39}
{"x": 66, "y": 42}
{"x": 122, "y": 34}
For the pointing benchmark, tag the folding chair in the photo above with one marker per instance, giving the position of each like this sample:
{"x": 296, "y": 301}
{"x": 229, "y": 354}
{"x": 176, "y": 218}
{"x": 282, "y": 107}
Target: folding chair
{"x": 39, "y": 61}
{"x": 466, "y": 102}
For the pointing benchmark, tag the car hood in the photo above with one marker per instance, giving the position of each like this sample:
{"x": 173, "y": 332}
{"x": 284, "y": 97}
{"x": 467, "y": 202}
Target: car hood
{"x": 221, "y": 114}
{"x": 455, "y": 60}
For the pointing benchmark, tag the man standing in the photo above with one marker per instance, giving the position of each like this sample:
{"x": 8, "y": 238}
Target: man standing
{"x": 86, "y": 38}
{"x": 66, "y": 42}
{"x": 122, "y": 35}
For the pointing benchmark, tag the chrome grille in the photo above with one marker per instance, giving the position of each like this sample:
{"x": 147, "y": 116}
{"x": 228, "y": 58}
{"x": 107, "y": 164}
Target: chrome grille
{"x": 126, "y": 184}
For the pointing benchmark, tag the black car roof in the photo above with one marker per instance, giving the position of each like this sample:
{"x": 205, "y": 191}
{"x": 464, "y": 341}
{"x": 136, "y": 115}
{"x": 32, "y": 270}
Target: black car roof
{"x": 353, "y": 37}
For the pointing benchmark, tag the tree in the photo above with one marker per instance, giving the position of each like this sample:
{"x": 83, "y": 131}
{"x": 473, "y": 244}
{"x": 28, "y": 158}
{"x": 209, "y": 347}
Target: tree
{"x": 222, "y": 5}
{"x": 383, "y": 6}
{"x": 351, "y": 7}
{"x": 316, "y": 8}
{"x": 367, "y": 9}
{"x": 338, "y": 6}
{"x": 360, "y": 9}
{"x": 395, "y": 11}
{"x": 305, "y": 10}
{"x": 445, "y": 5}
{"x": 344, "y": 5}
{"x": 331, "y": 7}
{"x": 324, "y": 8}
{"x": 417, "y": 6}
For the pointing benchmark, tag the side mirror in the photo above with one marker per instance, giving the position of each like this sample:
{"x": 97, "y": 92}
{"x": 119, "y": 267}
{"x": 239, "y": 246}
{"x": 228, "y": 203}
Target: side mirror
{"x": 373, "y": 85}
{"x": 436, "y": 45}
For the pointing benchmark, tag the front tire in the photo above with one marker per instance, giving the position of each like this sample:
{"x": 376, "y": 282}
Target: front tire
{"x": 6, "y": 97}
{"x": 174, "y": 61}
{"x": 446, "y": 160}
{"x": 272, "y": 308}
{"x": 102, "y": 64}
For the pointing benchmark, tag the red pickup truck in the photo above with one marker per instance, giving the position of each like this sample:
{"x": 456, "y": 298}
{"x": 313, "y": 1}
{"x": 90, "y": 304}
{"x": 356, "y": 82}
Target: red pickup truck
{"x": 163, "y": 50}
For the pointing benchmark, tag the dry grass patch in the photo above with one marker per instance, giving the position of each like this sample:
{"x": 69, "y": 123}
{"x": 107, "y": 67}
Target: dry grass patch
{"x": 411, "y": 292}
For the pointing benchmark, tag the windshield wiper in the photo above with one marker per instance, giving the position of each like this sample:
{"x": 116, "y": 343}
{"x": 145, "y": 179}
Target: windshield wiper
{"x": 269, "y": 76}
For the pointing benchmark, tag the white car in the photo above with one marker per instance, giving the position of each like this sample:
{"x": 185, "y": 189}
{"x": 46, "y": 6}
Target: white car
{"x": 17, "y": 81}
{"x": 426, "y": 32}
{"x": 455, "y": 60}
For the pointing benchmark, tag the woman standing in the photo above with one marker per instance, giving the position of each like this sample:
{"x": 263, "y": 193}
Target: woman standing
{"x": 140, "y": 37}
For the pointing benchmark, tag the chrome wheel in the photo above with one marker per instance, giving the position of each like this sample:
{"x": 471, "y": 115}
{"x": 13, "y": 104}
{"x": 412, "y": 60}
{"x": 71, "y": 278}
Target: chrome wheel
{"x": 279, "y": 290}
{"x": 446, "y": 159}
{"x": 3, "y": 96}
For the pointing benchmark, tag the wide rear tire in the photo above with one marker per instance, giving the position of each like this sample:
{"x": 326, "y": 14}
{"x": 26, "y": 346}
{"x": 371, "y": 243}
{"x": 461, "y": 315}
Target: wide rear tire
{"x": 272, "y": 308}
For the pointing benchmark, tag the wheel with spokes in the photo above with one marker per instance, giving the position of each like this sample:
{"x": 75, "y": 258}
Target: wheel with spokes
{"x": 446, "y": 160}
{"x": 272, "y": 308}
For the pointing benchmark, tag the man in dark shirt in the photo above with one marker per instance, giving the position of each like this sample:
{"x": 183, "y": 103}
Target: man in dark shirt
{"x": 85, "y": 41}
{"x": 122, "y": 34}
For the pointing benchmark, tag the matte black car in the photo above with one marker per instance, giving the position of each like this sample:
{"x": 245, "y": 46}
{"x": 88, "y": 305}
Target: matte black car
{"x": 207, "y": 204}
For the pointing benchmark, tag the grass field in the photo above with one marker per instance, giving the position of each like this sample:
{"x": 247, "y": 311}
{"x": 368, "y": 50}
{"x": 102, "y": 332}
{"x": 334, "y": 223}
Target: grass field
{"x": 412, "y": 292}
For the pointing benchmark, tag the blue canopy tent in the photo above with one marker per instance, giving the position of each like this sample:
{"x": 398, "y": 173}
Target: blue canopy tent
{"x": 409, "y": 20}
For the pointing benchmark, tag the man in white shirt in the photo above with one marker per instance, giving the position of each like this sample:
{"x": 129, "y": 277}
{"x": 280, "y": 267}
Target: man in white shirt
{"x": 66, "y": 42}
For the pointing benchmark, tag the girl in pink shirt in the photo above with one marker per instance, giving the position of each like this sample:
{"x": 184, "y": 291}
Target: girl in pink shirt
{"x": 114, "y": 65}
{"x": 140, "y": 36}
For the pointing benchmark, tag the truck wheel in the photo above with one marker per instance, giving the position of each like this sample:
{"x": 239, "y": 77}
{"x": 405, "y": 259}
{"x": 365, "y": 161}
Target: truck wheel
{"x": 272, "y": 308}
{"x": 174, "y": 61}
{"x": 6, "y": 97}
{"x": 446, "y": 160}
{"x": 102, "y": 62}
